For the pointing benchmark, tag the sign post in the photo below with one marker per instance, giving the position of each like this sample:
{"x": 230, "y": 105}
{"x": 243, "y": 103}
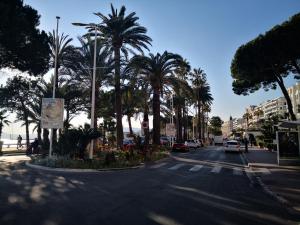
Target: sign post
{"x": 171, "y": 131}
{"x": 52, "y": 115}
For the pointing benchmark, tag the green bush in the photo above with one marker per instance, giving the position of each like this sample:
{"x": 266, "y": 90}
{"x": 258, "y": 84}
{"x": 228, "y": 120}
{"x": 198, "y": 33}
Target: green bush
{"x": 73, "y": 142}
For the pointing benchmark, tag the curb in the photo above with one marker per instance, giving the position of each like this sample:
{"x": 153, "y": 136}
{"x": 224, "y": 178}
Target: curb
{"x": 45, "y": 168}
{"x": 255, "y": 165}
{"x": 268, "y": 191}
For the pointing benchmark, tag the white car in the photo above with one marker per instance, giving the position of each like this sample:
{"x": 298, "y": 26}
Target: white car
{"x": 191, "y": 144}
{"x": 232, "y": 146}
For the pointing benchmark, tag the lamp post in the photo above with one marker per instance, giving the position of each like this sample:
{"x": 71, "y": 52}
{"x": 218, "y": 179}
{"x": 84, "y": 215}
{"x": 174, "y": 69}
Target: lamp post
{"x": 92, "y": 25}
{"x": 54, "y": 81}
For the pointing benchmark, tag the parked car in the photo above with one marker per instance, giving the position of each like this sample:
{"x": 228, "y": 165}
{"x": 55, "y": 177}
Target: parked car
{"x": 128, "y": 143}
{"x": 200, "y": 143}
{"x": 164, "y": 141}
{"x": 191, "y": 144}
{"x": 232, "y": 146}
{"x": 180, "y": 147}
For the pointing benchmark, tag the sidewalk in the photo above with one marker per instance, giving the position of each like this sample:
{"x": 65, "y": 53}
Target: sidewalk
{"x": 284, "y": 181}
{"x": 13, "y": 151}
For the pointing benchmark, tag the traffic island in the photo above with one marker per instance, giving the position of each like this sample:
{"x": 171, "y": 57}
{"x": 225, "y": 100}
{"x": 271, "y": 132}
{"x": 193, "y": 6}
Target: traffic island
{"x": 103, "y": 161}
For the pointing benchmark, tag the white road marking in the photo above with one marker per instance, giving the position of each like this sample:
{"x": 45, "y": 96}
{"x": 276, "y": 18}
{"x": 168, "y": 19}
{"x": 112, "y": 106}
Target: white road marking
{"x": 177, "y": 166}
{"x": 158, "y": 165}
{"x": 196, "y": 168}
{"x": 216, "y": 169}
{"x": 237, "y": 171}
{"x": 264, "y": 171}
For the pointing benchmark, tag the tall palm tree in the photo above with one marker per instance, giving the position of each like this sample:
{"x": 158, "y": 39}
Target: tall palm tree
{"x": 122, "y": 33}
{"x": 183, "y": 94}
{"x": 64, "y": 51}
{"x": 202, "y": 95}
{"x": 3, "y": 120}
{"x": 158, "y": 69}
{"x": 79, "y": 70}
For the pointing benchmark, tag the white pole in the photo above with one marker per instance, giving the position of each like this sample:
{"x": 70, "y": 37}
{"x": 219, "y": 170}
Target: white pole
{"x": 54, "y": 82}
{"x": 93, "y": 95}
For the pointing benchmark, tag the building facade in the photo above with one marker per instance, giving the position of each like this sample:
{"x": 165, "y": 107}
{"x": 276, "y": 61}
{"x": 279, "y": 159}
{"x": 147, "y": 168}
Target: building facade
{"x": 274, "y": 107}
{"x": 294, "y": 93}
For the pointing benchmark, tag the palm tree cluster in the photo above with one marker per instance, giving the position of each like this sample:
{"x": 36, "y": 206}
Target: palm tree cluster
{"x": 128, "y": 81}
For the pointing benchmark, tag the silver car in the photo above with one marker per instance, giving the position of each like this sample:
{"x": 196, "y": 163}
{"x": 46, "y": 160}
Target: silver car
{"x": 191, "y": 144}
{"x": 232, "y": 146}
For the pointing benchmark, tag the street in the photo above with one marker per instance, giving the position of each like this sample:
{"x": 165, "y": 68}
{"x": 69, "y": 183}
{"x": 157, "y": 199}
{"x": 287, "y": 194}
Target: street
{"x": 204, "y": 186}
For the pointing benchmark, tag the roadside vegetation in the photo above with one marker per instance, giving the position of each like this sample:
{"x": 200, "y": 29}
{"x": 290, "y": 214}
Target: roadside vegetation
{"x": 130, "y": 82}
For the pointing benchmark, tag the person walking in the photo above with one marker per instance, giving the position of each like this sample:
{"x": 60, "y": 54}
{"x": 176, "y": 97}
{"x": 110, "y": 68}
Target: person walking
{"x": 19, "y": 144}
{"x": 246, "y": 144}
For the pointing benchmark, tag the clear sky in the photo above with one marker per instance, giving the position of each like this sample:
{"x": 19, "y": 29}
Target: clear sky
{"x": 205, "y": 32}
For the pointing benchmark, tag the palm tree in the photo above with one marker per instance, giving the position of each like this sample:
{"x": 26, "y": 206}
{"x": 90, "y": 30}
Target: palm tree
{"x": 121, "y": 32}
{"x": 3, "y": 120}
{"x": 158, "y": 69}
{"x": 183, "y": 94}
{"x": 202, "y": 95}
{"x": 79, "y": 71}
{"x": 64, "y": 51}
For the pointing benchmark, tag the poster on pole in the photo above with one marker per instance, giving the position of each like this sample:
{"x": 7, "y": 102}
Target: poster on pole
{"x": 52, "y": 115}
{"x": 170, "y": 130}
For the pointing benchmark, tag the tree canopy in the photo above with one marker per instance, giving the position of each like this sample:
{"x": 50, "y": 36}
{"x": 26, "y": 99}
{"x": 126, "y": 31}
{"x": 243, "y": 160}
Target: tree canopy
{"x": 22, "y": 45}
{"x": 266, "y": 60}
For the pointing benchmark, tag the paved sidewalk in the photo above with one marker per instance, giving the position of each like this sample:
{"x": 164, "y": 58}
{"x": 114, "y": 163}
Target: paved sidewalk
{"x": 284, "y": 181}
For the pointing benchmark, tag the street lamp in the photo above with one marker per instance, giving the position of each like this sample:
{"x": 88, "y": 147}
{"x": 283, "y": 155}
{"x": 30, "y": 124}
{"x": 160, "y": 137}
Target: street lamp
{"x": 54, "y": 81}
{"x": 92, "y": 25}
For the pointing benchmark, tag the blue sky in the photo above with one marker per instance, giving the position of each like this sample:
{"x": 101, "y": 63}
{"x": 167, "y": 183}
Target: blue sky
{"x": 205, "y": 32}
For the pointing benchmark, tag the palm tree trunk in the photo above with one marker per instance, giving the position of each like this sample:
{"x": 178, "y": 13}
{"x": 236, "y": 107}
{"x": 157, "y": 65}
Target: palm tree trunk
{"x": 27, "y": 130}
{"x": 146, "y": 119}
{"x": 179, "y": 124}
{"x": 39, "y": 133}
{"x": 185, "y": 123}
{"x": 202, "y": 123}
{"x": 129, "y": 124}
{"x": 199, "y": 121}
{"x": 156, "y": 116}
{"x": 118, "y": 101}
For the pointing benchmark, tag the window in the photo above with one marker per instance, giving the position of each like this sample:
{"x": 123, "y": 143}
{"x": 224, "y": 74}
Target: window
{"x": 298, "y": 109}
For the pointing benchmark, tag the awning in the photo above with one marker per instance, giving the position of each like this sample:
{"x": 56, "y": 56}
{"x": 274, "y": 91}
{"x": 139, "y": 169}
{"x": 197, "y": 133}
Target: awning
{"x": 289, "y": 124}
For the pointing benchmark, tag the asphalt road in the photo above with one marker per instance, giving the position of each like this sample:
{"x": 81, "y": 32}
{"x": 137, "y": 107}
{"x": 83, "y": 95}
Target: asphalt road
{"x": 204, "y": 186}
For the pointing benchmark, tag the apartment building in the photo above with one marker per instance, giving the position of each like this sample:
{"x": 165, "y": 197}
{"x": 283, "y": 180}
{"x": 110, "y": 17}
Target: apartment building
{"x": 274, "y": 107}
{"x": 294, "y": 93}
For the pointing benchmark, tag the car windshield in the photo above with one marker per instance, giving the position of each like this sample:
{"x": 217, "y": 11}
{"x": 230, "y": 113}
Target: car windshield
{"x": 232, "y": 143}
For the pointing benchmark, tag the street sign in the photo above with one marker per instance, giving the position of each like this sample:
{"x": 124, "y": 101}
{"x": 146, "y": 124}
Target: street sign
{"x": 170, "y": 130}
{"x": 145, "y": 124}
{"x": 52, "y": 115}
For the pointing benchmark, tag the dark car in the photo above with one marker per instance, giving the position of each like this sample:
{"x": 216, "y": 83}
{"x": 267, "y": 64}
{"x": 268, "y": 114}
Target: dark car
{"x": 180, "y": 147}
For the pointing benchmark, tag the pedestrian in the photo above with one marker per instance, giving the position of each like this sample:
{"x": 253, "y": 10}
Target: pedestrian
{"x": 33, "y": 147}
{"x": 19, "y": 144}
{"x": 246, "y": 144}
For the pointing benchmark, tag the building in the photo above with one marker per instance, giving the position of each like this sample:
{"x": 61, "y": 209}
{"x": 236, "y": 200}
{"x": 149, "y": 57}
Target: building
{"x": 294, "y": 93}
{"x": 274, "y": 107}
{"x": 227, "y": 127}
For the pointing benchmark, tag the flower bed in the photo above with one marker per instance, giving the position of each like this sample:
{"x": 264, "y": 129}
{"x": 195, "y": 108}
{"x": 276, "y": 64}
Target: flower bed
{"x": 102, "y": 160}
